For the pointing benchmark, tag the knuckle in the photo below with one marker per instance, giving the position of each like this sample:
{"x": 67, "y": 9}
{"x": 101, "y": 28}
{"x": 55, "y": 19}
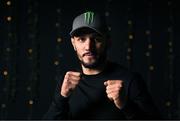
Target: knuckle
{"x": 67, "y": 73}
{"x": 108, "y": 82}
{"x": 79, "y": 74}
{"x": 107, "y": 88}
{"x": 66, "y": 77}
{"x": 120, "y": 85}
{"x": 109, "y": 95}
{"x": 107, "y": 91}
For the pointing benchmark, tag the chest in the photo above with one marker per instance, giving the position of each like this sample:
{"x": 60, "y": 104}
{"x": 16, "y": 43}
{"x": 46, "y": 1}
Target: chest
{"x": 89, "y": 100}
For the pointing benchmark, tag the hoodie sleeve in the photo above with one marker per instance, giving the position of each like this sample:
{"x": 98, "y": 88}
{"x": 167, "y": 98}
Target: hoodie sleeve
{"x": 59, "y": 107}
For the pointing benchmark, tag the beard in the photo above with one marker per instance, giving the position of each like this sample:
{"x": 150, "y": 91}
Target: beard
{"x": 98, "y": 62}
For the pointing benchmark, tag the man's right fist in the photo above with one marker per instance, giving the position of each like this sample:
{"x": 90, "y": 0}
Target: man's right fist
{"x": 71, "y": 79}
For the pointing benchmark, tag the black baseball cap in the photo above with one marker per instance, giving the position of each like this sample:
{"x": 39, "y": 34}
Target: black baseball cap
{"x": 91, "y": 21}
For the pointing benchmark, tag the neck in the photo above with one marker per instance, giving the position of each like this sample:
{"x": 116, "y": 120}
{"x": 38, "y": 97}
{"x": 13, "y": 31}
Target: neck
{"x": 94, "y": 71}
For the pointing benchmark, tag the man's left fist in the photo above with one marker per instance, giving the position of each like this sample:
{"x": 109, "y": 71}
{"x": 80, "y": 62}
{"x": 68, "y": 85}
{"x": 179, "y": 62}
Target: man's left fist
{"x": 114, "y": 90}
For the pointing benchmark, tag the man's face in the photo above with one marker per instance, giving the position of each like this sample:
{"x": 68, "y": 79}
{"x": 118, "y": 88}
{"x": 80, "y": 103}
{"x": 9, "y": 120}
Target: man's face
{"x": 90, "y": 49}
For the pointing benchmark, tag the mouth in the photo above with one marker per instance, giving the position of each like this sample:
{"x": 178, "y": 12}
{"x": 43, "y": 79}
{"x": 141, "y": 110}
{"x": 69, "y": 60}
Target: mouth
{"x": 90, "y": 54}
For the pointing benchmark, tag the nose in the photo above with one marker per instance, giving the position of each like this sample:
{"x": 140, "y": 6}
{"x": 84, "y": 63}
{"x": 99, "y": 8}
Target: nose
{"x": 89, "y": 45}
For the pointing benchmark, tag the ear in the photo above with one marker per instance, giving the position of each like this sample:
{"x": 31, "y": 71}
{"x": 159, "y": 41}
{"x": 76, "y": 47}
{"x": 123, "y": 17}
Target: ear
{"x": 73, "y": 43}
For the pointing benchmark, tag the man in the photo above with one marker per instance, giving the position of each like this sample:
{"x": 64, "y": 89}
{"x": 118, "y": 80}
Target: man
{"x": 103, "y": 89}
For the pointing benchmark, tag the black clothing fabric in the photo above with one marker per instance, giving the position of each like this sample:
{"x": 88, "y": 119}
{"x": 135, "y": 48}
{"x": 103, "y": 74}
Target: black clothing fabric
{"x": 89, "y": 99}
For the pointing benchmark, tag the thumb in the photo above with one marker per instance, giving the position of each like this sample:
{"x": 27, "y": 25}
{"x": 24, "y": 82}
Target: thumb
{"x": 118, "y": 103}
{"x": 105, "y": 83}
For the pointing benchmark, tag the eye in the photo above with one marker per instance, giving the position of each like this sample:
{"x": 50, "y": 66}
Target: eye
{"x": 81, "y": 39}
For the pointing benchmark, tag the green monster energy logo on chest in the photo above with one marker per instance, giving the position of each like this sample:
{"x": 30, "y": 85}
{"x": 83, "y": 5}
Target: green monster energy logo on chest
{"x": 89, "y": 17}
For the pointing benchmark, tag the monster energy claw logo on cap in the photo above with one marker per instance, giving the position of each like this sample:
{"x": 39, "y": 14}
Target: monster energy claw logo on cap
{"x": 89, "y": 17}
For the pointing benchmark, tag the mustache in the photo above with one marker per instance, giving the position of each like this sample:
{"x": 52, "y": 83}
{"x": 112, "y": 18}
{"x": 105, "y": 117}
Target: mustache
{"x": 89, "y": 53}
